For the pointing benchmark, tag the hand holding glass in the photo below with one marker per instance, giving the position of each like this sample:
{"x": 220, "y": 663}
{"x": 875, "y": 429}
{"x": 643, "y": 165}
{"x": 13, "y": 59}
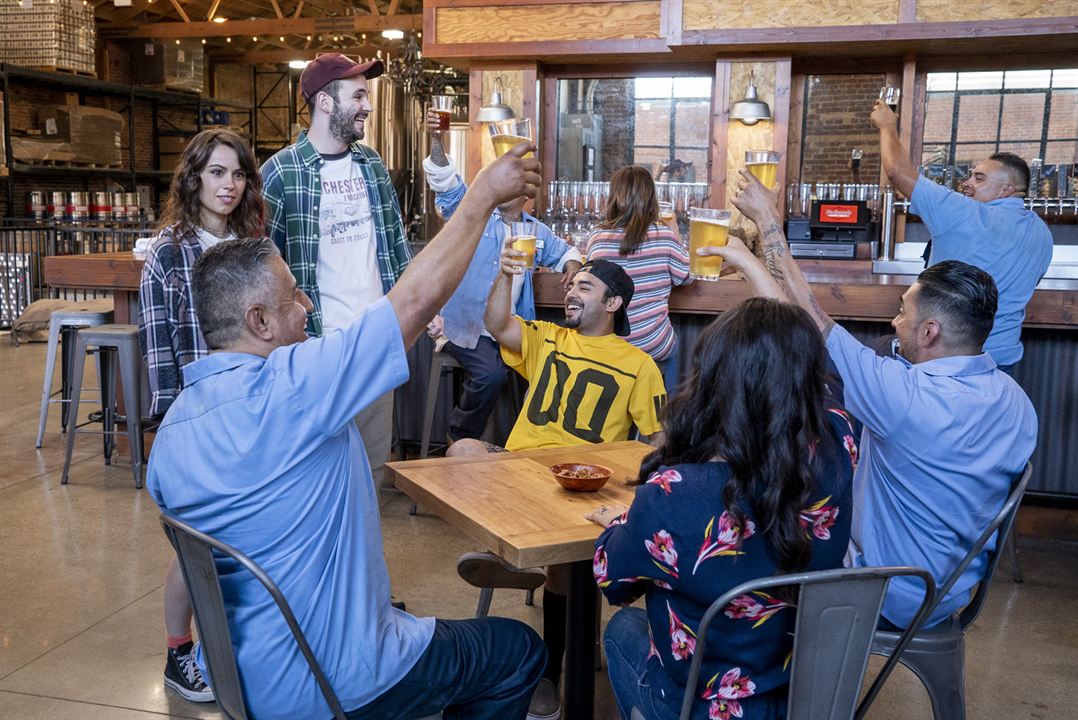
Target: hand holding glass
{"x": 707, "y": 228}
{"x": 890, "y": 96}
{"x": 442, "y": 105}
{"x": 524, "y": 240}
{"x": 508, "y": 133}
{"x": 764, "y": 164}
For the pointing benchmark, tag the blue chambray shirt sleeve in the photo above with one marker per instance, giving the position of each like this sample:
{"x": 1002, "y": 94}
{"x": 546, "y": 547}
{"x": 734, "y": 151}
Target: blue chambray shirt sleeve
{"x": 554, "y": 248}
{"x": 878, "y": 391}
{"x": 941, "y": 209}
{"x": 331, "y": 378}
{"x": 448, "y": 202}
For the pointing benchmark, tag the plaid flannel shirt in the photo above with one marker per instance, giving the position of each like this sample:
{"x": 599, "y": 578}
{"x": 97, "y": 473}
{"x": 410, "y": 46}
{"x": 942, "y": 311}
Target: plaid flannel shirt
{"x": 292, "y": 186}
{"x": 167, "y": 325}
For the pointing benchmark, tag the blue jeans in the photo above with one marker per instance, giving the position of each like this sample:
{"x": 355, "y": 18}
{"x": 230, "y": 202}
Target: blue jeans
{"x": 479, "y": 669}
{"x": 626, "y": 645}
{"x": 670, "y": 367}
{"x": 486, "y": 375}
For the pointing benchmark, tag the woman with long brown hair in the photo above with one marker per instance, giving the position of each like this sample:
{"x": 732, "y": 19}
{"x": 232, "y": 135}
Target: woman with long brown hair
{"x": 216, "y": 195}
{"x": 753, "y": 479}
{"x": 652, "y": 254}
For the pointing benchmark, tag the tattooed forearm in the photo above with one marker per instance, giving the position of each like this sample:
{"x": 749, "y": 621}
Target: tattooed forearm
{"x": 437, "y": 154}
{"x": 772, "y": 230}
{"x": 771, "y": 260}
{"x": 823, "y": 319}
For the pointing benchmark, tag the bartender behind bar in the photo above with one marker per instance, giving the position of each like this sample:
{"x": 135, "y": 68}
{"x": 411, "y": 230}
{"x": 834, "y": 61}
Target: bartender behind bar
{"x": 986, "y": 225}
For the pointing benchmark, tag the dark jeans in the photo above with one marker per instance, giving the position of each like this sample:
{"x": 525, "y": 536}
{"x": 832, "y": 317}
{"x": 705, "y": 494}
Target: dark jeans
{"x": 670, "y": 368}
{"x": 479, "y": 669}
{"x": 486, "y": 375}
{"x": 626, "y": 644}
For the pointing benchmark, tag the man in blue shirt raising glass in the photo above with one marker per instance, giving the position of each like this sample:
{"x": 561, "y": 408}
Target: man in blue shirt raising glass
{"x": 260, "y": 451}
{"x": 986, "y": 225}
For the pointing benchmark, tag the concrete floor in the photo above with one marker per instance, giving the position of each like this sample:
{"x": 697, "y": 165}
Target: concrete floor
{"x": 82, "y": 566}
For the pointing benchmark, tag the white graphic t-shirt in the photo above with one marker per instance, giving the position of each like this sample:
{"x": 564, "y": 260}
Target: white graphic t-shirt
{"x": 347, "y": 272}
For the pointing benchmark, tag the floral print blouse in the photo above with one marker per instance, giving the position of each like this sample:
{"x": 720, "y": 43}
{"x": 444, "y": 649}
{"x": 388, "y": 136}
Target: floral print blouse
{"x": 681, "y": 549}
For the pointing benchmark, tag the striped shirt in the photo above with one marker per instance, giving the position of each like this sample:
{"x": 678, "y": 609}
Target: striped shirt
{"x": 292, "y": 183}
{"x": 658, "y": 264}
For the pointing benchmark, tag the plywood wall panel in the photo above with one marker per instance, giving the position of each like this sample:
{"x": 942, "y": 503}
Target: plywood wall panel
{"x": 536, "y": 23}
{"x": 711, "y": 15}
{"x": 949, "y": 11}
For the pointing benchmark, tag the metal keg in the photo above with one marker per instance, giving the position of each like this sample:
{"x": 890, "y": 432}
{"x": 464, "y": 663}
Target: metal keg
{"x": 131, "y": 206}
{"x": 100, "y": 206}
{"x": 78, "y": 205}
{"x": 55, "y": 205}
{"x": 35, "y": 205}
{"x": 119, "y": 206}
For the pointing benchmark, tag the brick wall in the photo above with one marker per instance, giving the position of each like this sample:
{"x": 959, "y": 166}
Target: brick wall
{"x": 836, "y": 121}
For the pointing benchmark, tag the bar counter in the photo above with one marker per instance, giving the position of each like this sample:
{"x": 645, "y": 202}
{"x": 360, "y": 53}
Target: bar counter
{"x": 846, "y": 290}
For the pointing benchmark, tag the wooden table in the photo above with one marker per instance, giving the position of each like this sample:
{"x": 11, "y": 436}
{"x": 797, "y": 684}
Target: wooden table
{"x": 118, "y": 273}
{"x": 513, "y": 506}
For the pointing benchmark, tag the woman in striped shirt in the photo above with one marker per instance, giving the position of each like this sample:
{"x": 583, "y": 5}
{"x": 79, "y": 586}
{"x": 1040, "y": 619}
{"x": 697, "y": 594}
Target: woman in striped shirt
{"x": 653, "y": 256}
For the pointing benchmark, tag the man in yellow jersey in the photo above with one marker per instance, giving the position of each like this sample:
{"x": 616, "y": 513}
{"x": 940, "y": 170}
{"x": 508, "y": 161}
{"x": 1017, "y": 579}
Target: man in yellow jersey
{"x": 587, "y": 384}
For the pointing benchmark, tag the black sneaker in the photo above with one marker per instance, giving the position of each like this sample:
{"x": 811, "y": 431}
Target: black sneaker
{"x": 183, "y": 676}
{"x": 545, "y": 703}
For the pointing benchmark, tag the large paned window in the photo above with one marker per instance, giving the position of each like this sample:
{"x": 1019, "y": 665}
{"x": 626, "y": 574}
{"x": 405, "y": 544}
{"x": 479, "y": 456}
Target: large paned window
{"x": 1032, "y": 113}
{"x": 672, "y": 119}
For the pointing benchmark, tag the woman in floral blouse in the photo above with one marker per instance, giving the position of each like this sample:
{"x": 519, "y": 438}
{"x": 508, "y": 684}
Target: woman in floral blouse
{"x": 753, "y": 480}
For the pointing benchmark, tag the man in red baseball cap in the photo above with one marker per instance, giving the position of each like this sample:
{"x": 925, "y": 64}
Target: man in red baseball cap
{"x": 333, "y": 214}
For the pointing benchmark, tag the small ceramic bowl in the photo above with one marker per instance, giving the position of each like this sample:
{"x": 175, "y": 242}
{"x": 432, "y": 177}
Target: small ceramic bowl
{"x": 580, "y": 477}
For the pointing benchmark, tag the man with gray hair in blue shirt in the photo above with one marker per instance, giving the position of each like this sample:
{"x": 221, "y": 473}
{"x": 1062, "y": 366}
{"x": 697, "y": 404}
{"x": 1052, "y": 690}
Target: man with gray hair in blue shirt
{"x": 260, "y": 451}
{"x": 946, "y": 433}
{"x": 986, "y": 225}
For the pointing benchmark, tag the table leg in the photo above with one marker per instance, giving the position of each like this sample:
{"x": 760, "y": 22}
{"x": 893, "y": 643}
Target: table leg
{"x": 582, "y": 620}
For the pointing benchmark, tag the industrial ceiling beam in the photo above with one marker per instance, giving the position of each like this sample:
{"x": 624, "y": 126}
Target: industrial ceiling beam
{"x": 271, "y": 26}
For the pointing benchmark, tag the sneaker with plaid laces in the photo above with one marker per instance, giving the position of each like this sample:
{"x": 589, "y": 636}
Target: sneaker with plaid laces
{"x": 183, "y": 676}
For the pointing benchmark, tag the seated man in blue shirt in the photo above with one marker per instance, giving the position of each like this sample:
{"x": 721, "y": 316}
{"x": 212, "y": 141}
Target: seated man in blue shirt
{"x": 946, "y": 433}
{"x": 461, "y": 320}
{"x": 261, "y": 452}
{"x": 986, "y": 225}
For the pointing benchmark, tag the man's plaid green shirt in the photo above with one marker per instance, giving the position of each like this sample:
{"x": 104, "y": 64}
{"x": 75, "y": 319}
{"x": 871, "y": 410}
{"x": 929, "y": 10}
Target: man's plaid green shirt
{"x": 292, "y": 183}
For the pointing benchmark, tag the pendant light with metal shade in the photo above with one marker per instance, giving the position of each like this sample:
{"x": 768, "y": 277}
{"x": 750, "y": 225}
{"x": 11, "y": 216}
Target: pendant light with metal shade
{"x": 495, "y": 110}
{"x": 750, "y": 109}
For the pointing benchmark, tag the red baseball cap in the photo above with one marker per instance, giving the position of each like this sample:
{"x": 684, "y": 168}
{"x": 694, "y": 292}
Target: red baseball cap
{"x": 324, "y": 69}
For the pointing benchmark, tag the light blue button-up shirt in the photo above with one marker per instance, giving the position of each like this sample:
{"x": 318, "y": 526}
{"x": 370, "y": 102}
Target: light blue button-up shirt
{"x": 943, "y": 442}
{"x": 262, "y": 453}
{"x": 1002, "y": 238}
{"x": 463, "y": 312}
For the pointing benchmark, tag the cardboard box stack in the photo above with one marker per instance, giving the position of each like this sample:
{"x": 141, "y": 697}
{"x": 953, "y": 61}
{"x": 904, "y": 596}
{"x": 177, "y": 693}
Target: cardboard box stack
{"x": 169, "y": 65}
{"x": 59, "y": 35}
{"x": 76, "y": 134}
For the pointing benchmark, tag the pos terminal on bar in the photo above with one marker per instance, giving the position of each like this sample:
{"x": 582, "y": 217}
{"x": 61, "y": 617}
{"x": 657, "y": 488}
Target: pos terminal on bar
{"x": 832, "y": 230}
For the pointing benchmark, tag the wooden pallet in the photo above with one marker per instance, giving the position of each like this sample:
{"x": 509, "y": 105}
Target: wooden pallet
{"x": 69, "y": 71}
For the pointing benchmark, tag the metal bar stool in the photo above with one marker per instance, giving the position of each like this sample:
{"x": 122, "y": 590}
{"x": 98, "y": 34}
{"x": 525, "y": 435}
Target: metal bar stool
{"x": 122, "y": 342}
{"x": 62, "y": 326}
{"x": 440, "y": 361}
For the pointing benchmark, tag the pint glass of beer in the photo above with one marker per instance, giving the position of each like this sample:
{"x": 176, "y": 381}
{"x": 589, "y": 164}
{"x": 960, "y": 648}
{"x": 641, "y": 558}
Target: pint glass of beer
{"x": 443, "y": 106}
{"x": 764, "y": 165}
{"x": 707, "y": 228}
{"x": 524, "y": 240}
{"x": 890, "y": 95}
{"x": 508, "y": 133}
{"x": 666, "y": 211}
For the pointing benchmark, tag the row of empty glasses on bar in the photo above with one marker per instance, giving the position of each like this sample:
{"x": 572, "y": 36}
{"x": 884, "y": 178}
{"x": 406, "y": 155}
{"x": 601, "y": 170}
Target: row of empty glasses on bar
{"x": 799, "y": 196}
{"x": 575, "y": 206}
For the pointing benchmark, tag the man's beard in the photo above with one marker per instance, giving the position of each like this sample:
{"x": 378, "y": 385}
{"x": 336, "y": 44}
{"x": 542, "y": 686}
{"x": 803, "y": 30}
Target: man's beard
{"x": 342, "y": 127}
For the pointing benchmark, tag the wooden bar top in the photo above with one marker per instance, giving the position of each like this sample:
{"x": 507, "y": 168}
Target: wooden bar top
{"x": 99, "y": 271}
{"x": 846, "y": 290}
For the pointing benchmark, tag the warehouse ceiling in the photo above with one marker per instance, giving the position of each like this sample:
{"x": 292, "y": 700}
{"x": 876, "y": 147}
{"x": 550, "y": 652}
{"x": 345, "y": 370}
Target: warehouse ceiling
{"x": 264, "y": 31}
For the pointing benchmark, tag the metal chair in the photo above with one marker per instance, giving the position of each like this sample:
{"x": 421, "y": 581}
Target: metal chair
{"x": 937, "y": 655}
{"x": 837, "y": 613}
{"x": 195, "y": 552}
{"x": 62, "y": 324}
{"x": 123, "y": 341}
